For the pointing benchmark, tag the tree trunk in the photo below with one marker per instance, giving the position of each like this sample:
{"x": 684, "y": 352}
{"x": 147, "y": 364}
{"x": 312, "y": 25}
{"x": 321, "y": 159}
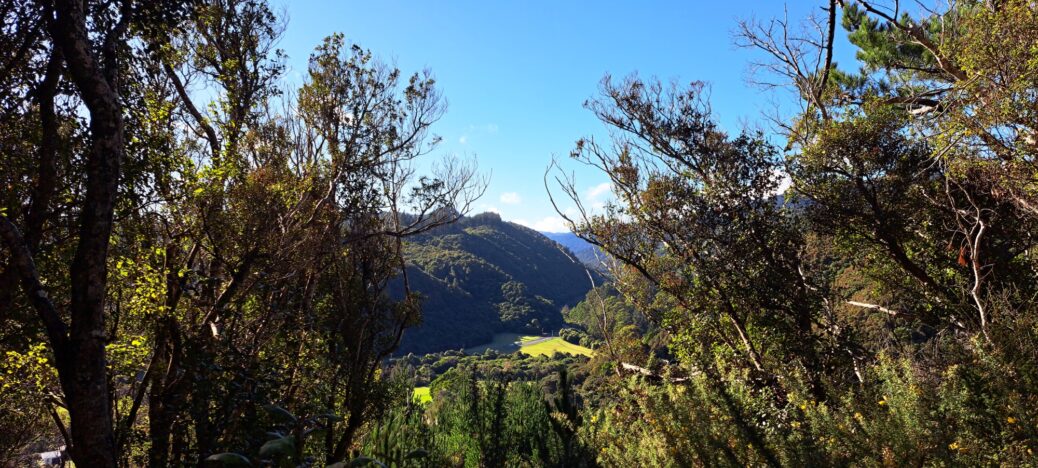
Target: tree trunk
{"x": 160, "y": 419}
{"x": 82, "y": 369}
{"x": 353, "y": 422}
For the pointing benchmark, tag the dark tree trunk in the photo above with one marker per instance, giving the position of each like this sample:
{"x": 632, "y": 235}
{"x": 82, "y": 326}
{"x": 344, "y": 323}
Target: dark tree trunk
{"x": 353, "y": 423}
{"x": 166, "y": 394}
{"x": 46, "y": 179}
{"x": 160, "y": 421}
{"x": 82, "y": 368}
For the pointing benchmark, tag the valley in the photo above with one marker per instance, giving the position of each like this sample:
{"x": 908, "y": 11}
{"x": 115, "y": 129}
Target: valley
{"x": 483, "y": 276}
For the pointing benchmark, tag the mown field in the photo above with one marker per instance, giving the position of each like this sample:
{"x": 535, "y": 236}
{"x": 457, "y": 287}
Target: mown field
{"x": 422, "y": 395}
{"x": 553, "y": 345}
{"x": 529, "y": 344}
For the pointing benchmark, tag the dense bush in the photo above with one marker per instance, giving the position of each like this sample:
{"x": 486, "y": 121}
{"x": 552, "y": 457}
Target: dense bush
{"x": 881, "y": 311}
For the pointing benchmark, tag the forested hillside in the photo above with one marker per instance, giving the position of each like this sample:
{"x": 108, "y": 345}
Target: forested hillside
{"x": 482, "y": 275}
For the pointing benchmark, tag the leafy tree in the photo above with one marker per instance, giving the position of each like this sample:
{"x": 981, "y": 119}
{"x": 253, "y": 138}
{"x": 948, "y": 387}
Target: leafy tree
{"x": 831, "y": 322}
{"x": 224, "y": 248}
{"x": 85, "y": 46}
{"x": 699, "y": 225}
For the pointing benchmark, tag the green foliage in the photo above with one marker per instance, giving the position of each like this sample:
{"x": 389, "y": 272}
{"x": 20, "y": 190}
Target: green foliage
{"x": 244, "y": 268}
{"x": 492, "y": 421}
{"x": 426, "y": 369}
{"x": 572, "y": 335}
{"x": 943, "y": 416}
{"x": 606, "y": 314}
{"x": 911, "y": 338}
{"x": 882, "y": 46}
{"x": 25, "y": 380}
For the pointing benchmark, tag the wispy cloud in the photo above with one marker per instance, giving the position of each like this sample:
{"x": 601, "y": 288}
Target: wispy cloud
{"x": 599, "y": 190}
{"x": 547, "y": 224}
{"x": 551, "y": 224}
{"x": 511, "y": 198}
{"x": 487, "y": 129}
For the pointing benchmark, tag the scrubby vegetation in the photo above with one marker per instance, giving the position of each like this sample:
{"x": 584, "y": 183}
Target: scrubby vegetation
{"x": 881, "y": 311}
{"x": 423, "y": 370}
{"x": 237, "y": 281}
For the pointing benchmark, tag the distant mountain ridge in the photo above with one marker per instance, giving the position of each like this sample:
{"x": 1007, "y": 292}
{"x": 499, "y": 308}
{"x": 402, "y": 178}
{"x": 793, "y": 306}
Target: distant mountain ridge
{"x": 481, "y": 276}
{"x": 568, "y": 240}
{"x": 587, "y": 253}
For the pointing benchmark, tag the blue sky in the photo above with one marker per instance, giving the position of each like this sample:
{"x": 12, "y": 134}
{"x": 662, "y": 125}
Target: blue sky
{"x": 516, "y": 73}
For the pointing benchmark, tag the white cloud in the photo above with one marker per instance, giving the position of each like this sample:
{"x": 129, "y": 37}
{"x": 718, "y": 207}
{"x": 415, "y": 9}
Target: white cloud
{"x": 548, "y": 224}
{"x": 784, "y": 182}
{"x": 476, "y": 130}
{"x": 551, "y": 224}
{"x": 599, "y": 190}
{"x": 511, "y": 198}
{"x": 485, "y": 208}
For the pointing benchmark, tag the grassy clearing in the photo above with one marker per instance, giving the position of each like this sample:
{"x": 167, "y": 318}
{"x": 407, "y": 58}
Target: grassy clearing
{"x": 553, "y": 345}
{"x": 422, "y": 395}
{"x": 529, "y": 344}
